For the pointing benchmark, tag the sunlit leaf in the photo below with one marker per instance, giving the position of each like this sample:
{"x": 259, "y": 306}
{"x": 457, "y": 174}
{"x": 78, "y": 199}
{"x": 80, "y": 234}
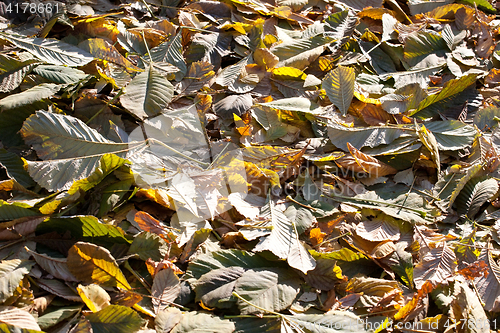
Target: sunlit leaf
{"x": 171, "y": 52}
{"x": 60, "y": 140}
{"x": 94, "y": 296}
{"x": 148, "y": 94}
{"x": 20, "y": 318}
{"x": 35, "y": 94}
{"x": 94, "y": 264}
{"x": 101, "y": 49}
{"x": 115, "y": 318}
{"x": 11, "y": 274}
{"x": 474, "y": 194}
{"x": 13, "y": 71}
{"x": 215, "y": 289}
{"x": 273, "y": 289}
{"x": 339, "y": 87}
{"x": 52, "y": 51}
{"x": 436, "y": 266}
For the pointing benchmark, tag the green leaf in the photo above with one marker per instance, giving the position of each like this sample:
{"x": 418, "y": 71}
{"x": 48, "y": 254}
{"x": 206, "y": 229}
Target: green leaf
{"x": 230, "y": 77}
{"x": 107, "y": 164}
{"x": 279, "y": 235}
{"x": 115, "y": 318}
{"x": 49, "y": 319}
{"x": 360, "y": 137}
{"x": 6, "y": 328}
{"x": 225, "y": 258}
{"x": 14, "y": 166}
{"x": 298, "y": 104}
{"x": 203, "y": 323}
{"x": 215, "y": 289}
{"x": 339, "y": 87}
{"x": 293, "y": 82}
{"x": 148, "y": 94}
{"x": 481, "y": 4}
{"x": 475, "y": 193}
{"x": 419, "y": 45}
{"x": 12, "y": 120}
{"x": 485, "y": 118}
{"x": 60, "y": 74}
{"x": 70, "y": 149}
{"x": 94, "y": 264}
{"x": 351, "y": 264}
{"x": 452, "y": 134}
{"x": 84, "y": 228}
{"x": 11, "y": 274}
{"x": 273, "y": 289}
{"x": 340, "y": 26}
{"x": 50, "y": 50}
{"x": 451, "y": 88}
{"x": 270, "y": 121}
{"x": 471, "y": 172}
{"x": 147, "y": 245}
{"x": 15, "y": 210}
{"x": 13, "y": 71}
{"x": 300, "y": 53}
{"x": 32, "y": 95}
{"x": 113, "y": 194}
{"x": 171, "y": 52}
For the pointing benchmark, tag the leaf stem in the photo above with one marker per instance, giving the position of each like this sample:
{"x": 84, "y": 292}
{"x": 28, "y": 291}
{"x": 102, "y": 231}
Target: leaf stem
{"x": 149, "y": 9}
{"x": 300, "y": 204}
{"x": 137, "y": 276}
{"x": 235, "y": 294}
{"x": 333, "y": 196}
{"x": 177, "y": 152}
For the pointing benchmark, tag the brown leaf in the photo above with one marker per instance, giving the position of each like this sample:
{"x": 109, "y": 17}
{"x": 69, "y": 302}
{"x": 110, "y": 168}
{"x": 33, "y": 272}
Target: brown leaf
{"x": 166, "y": 288}
{"x": 361, "y": 162}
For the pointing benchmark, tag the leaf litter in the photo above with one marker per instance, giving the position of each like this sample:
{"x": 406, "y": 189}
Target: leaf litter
{"x": 249, "y": 166}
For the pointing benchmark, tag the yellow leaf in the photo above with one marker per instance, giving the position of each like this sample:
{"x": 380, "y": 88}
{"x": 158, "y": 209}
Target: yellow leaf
{"x": 316, "y": 236}
{"x": 94, "y": 296}
{"x": 94, "y": 264}
{"x": 97, "y": 27}
{"x": 367, "y": 100}
{"x": 242, "y": 28}
{"x": 103, "y": 50}
{"x": 375, "y": 13}
{"x": 430, "y": 143}
{"x": 156, "y": 195}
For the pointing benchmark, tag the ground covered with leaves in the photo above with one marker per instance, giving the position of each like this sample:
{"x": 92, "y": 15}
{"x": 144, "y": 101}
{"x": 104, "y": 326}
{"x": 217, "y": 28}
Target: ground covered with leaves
{"x": 249, "y": 166}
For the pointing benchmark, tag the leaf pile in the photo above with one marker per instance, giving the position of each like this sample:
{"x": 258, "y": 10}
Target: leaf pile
{"x": 250, "y": 166}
